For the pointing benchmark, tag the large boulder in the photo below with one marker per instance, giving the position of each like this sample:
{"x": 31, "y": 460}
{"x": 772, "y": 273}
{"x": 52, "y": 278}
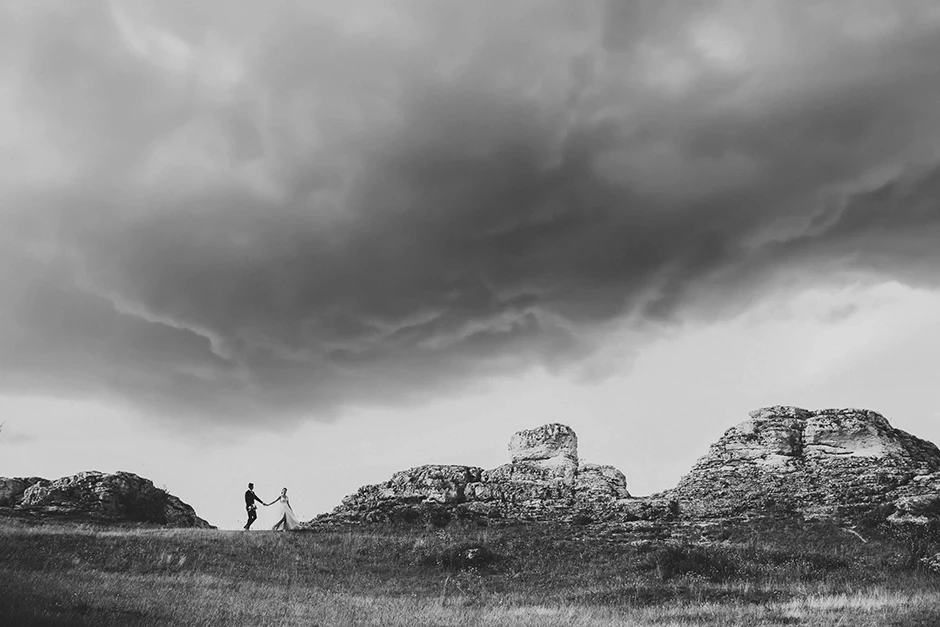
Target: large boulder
{"x": 12, "y": 489}
{"x": 432, "y": 483}
{"x": 546, "y": 443}
{"x": 601, "y": 479}
{"x": 789, "y": 458}
{"x": 919, "y": 510}
{"x": 118, "y": 497}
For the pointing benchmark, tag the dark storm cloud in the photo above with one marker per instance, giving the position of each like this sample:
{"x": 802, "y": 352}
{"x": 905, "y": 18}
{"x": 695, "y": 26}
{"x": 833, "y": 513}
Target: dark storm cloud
{"x": 232, "y": 211}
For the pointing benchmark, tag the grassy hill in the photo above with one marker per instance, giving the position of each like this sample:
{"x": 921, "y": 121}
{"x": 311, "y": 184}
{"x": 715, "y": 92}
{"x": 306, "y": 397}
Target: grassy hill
{"x": 771, "y": 571}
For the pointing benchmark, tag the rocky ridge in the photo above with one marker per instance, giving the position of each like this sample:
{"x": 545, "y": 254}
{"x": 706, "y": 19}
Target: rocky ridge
{"x": 816, "y": 464}
{"x": 98, "y": 497}
{"x": 545, "y": 480}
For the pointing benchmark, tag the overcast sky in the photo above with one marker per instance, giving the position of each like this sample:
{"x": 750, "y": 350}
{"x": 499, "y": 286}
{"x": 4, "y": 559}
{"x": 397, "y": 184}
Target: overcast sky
{"x": 309, "y": 243}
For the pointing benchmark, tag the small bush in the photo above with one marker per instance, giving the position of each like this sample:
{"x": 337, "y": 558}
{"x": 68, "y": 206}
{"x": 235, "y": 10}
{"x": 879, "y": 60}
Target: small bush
{"x": 466, "y": 556}
{"x": 672, "y": 560}
{"x": 920, "y": 541}
{"x": 931, "y": 563}
{"x": 460, "y": 557}
{"x": 447, "y": 552}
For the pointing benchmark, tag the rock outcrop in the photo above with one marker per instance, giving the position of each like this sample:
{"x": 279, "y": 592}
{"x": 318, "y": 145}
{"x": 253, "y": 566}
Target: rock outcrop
{"x": 552, "y": 448}
{"x": 918, "y": 510}
{"x": 96, "y": 496}
{"x": 544, "y": 481}
{"x": 12, "y": 489}
{"x": 817, "y": 463}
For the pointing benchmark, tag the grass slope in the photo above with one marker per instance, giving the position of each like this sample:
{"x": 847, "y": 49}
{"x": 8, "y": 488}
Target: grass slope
{"x": 767, "y": 572}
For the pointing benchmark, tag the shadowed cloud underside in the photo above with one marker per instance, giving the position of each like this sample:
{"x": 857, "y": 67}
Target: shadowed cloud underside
{"x": 231, "y": 210}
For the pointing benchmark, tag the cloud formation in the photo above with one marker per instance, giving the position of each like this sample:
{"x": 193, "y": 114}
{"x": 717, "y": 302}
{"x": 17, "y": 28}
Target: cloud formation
{"x": 230, "y": 210}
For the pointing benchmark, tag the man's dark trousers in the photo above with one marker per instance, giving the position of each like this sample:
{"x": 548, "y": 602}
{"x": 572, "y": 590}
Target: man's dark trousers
{"x": 252, "y": 516}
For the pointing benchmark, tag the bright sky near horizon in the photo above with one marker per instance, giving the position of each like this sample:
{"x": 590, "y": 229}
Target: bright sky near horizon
{"x": 307, "y": 244}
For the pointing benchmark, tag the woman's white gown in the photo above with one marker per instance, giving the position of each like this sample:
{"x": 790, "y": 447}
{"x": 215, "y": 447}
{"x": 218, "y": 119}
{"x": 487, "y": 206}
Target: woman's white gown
{"x": 285, "y": 512}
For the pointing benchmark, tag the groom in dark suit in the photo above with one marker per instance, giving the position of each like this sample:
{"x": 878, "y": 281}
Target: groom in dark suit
{"x": 250, "y": 499}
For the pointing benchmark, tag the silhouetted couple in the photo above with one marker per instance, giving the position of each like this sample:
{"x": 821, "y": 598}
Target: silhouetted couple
{"x": 287, "y": 520}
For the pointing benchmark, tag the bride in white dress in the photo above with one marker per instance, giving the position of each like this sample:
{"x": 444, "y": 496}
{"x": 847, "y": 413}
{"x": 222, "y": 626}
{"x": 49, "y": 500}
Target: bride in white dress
{"x": 287, "y": 520}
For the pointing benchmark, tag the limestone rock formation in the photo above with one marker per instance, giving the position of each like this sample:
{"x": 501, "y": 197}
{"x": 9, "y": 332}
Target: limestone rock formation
{"x": 12, "y": 488}
{"x": 544, "y": 481}
{"x": 432, "y": 483}
{"x": 92, "y": 495}
{"x": 601, "y": 479}
{"x": 818, "y": 464}
{"x": 813, "y": 462}
{"x": 919, "y": 510}
{"x": 552, "y": 447}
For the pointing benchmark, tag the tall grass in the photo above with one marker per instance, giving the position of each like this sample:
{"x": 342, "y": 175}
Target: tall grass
{"x": 515, "y": 576}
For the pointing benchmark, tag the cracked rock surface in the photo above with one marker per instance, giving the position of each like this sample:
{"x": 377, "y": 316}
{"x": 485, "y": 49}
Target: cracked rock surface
{"x": 545, "y": 480}
{"x": 813, "y": 462}
{"x": 97, "y": 496}
{"x": 818, "y": 464}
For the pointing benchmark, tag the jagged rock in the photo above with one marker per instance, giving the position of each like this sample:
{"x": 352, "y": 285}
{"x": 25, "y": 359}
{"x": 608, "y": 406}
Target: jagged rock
{"x": 925, "y": 484}
{"x": 807, "y": 461}
{"x": 919, "y": 509}
{"x": 601, "y": 479}
{"x": 543, "y": 482}
{"x": 551, "y": 442}
{"x": 543, "y": 454}
{"x": 12, "y": 488}
{"x": 433, "y": 483}
{"x": 523, "y": 493}
{"x": 656, "y": 507}
{"x": 118, "y": 497}
{"x": 818, "y": 464}
{"x": 529, "y": 471}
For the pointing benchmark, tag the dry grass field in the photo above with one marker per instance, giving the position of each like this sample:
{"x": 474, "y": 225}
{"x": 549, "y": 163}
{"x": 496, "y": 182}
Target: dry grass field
{"x": 763, "y": 573}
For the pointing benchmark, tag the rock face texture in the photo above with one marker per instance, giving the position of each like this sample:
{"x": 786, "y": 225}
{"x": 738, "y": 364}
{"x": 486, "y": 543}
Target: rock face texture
{"x": 812, "y": 462}
{"x": 919, "y": 510}
{"x": 826, "y": 463}
{"x": 12, "y": 488}
{"x": 544, "y": 481}
{"x": 118, "y": 497}
{"x": 552, "y": 446}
